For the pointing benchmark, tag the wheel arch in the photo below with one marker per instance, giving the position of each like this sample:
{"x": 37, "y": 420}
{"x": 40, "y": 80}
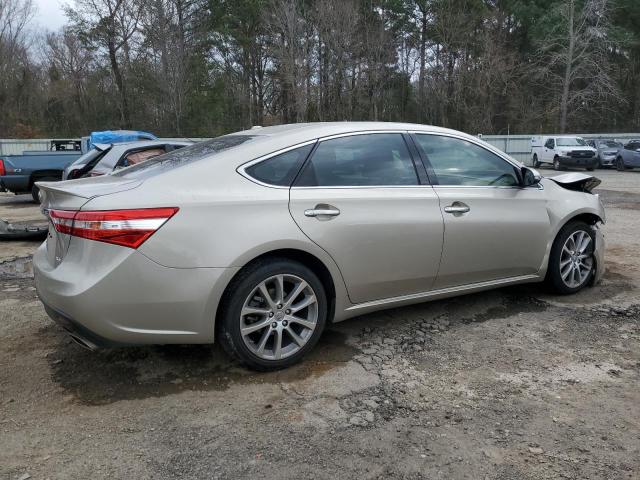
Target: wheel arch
{"x": 311, "y": 261}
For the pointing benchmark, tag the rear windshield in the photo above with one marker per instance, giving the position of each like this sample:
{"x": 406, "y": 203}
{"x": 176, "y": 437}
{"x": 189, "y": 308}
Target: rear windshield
{"x": 183, "y": 156}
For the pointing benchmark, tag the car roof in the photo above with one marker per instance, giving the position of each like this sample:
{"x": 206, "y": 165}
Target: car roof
{"x": 324, "y": 129}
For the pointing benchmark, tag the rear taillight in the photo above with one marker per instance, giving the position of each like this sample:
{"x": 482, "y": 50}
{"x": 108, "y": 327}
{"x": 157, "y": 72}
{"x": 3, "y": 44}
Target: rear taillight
{"x": 2, "y": 170}
{"x": 129, "y": 228}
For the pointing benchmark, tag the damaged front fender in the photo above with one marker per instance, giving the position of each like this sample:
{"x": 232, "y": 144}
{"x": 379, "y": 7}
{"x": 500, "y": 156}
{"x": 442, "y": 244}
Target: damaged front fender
{"x": 579, "y": 182}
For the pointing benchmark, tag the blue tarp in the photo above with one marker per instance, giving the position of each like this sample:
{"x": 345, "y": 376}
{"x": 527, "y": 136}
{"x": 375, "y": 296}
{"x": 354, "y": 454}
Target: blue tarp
{"x": 119, "y": 136}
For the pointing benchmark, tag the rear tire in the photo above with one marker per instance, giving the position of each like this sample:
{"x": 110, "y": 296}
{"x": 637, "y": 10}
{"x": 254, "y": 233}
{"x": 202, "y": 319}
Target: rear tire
{"x": 572, "y": 263}
{"x": 35, "y": 191}
{"x": 267, "y": 334}
{"x": 590, "y": 169}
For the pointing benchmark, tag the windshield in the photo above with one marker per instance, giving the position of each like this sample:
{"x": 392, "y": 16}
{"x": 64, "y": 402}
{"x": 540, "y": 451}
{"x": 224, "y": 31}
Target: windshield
{"x": 571, "y": 142}
{"x": 183, "y": 156}
{"x": 610, "y": 144}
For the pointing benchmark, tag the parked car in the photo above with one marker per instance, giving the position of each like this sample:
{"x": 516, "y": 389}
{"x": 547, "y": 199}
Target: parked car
{"x": 19, "y": 173}
{"x": 563, "y": 152}
{"x": 104, "y": 159}
{"x": 261, "y": 238}
{"x": 628, "y": 156}
{"x": 606, "y": 151}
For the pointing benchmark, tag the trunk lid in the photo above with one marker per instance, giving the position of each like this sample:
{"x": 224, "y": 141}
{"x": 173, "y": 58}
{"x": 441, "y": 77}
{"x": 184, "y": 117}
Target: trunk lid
{"x": 73, "y": 195}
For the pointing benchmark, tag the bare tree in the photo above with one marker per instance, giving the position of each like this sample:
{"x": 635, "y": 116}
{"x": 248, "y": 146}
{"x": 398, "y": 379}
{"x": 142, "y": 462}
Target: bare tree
{"x": 574, "y": 61}
{"x": 109, "y": 25}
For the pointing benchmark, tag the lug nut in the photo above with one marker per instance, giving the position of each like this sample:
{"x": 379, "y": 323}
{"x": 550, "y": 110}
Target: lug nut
{"x": 271, "y": 314}
{"x": 284, "y": 323}
{"x": 287, "y": 311}
{"x": 279, "y": 306}
{"x": 274, "y": 325}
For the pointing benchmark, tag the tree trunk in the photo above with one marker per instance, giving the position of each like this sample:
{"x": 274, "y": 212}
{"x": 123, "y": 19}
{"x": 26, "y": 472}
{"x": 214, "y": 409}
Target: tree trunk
{"x": 125, "y": 120}
{"x": 566, "y": 84}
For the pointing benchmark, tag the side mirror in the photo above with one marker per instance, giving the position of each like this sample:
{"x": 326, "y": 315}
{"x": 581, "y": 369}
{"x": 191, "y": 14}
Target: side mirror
{"x": 530, "y": 177}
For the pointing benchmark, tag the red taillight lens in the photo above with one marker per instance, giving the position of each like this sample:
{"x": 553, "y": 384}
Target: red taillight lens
{"x": 129, "y": 228}
{"x": 2, "y": 170}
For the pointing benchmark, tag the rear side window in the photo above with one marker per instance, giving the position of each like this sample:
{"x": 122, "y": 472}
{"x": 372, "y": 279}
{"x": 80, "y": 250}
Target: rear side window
{"x": 378, "y": 159}
{"x": 280, "y": 169}
{"x": 183, "y": 156}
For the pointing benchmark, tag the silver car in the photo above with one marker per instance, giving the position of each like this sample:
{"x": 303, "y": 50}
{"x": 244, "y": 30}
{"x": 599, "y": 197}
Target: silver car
{"x": 104, "y": 158}
{"x": 261, "y": 238}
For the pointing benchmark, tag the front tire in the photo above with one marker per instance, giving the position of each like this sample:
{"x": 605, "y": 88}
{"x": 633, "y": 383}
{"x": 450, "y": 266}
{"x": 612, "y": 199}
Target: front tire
{"x": 273, "y": 314}
{"x": 620, "y": 164}
{"x": 572, "y": 263}
{"x": 536, "y": 162}
{"x": 556, "y": 164}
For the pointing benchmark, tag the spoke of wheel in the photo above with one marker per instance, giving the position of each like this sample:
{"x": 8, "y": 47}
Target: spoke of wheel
{"x": 563, "y": 263}
{"x": 254, "y": 311}
{"x": 566, "y": 250}
{"x": 277, "y": 346}
{"x": 566, "y": 273}
{"x": 263, "y": 341}
{"x": 585, "y": 243}
{"x": 310, "y": 300}
{"x": 577, "y": 240}
{"x": 295, "y": 336}
{"x": 300, "y": 321}
{"x": 264, "y": 291}
{"x": 254, "y": 327}
{"x": 279, "y": 289}
{"x": 295, "y": 293}
{"x": 576, "y": 276}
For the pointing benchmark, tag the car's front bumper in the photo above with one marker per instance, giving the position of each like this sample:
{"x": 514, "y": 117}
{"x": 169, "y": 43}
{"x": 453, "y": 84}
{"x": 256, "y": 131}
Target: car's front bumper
{"x": 599, "y": 253}
{"x": 591, "y": 162}
{"x": 105, "y": 297}
{"x": 606, "y": 160}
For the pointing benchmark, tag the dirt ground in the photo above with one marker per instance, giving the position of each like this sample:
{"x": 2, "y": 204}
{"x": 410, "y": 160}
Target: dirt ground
{"x": 510, "y": 384}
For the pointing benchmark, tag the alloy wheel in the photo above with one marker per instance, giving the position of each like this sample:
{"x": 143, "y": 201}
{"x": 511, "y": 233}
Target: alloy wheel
{"x": 556, "y": 164}
{"x": 576, "y": 259}
{"x": 279, "y": 317}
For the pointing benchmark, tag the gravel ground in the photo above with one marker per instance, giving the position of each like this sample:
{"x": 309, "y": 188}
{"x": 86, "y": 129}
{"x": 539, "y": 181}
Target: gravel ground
{"x": 512, "y": 383}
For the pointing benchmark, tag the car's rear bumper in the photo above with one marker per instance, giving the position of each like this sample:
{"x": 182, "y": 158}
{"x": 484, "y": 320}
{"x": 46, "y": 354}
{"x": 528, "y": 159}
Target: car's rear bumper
{"x": 105, "y": 297}
{"x": 15, "y": 183}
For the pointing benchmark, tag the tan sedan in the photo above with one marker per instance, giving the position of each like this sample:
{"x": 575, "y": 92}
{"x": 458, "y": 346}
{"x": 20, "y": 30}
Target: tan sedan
{"x": 260, "y": 238}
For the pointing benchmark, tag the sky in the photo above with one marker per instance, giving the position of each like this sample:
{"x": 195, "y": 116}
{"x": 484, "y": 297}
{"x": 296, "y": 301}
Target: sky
{"x": 49, "y": 14}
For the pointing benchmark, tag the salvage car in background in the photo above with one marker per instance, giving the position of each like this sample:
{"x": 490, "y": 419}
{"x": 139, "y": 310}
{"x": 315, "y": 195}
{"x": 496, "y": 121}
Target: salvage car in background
{"x": 260, "y": 238}
{"x": 104, "y": 159}
{"x": 629, "y": 156}
{"x": 607, "y": 151}
{"x": 563, "y": 152}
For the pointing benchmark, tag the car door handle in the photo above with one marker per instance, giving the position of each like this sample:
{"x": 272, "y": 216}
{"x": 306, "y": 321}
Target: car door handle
{"x": 457, "y": 207}
{"x": 322, "y": 210}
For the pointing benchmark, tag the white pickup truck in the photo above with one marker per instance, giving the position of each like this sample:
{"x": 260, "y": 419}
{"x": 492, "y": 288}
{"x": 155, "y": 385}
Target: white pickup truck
{"x": 563, "y": 152}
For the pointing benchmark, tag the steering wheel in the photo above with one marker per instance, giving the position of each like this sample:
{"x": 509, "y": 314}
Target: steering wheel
{"x": 504, "y": 175}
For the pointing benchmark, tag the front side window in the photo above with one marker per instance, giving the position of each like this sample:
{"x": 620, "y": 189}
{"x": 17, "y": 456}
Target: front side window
{"x": 280, "y": 169}
{"x": 550, "y": 143}
{"x": 462, "y": 163}
{"x": 376, "y": 159}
